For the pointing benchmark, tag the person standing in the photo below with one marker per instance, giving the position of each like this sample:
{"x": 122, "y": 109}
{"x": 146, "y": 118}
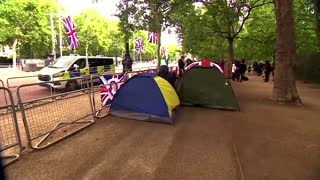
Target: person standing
{"x": 167, "y": 75}
{"x": 181, "y": 66}
{"x": 188, "y": 62}
{"x": 234, "y": 68}
{"x": 249, "y": 69}
{"x": 242, "y": 69}
{"x": 267, "y": 71}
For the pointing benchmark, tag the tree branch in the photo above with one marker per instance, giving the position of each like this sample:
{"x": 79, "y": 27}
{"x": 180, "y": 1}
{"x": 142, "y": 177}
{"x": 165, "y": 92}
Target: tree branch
{"x": 24, "y": 25}
{"x": 206, "y": 3}
{"x": 254, "y": 5}
{"x": 220, "y": 32}
{"x": 247, "y": 38}
{"x": 242, "y": 23}
{"x": 259, "y": 5}
{"x": 168, "y": 8}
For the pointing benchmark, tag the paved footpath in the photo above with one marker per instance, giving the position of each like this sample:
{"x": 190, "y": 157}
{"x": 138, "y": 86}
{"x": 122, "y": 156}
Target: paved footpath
{"x": 196, "y": 146}
{"x": 263, "y": 141}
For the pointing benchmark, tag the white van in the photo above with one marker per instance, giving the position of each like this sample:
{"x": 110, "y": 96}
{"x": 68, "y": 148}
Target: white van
{"x": 68, "y": 67}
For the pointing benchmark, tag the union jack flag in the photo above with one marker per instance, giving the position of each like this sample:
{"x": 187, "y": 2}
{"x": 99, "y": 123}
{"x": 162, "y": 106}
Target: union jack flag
{"x": 203, "y": 63}
{"x": 71, "y": 33}
{"x": 109, "y": 85}
{"x": 152, "y": 37}
{"x": 139, "y": 45}
{"x": 173, "y": 69}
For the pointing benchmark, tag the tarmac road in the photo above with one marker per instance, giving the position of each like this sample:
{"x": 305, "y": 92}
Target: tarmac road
{"x": 26, "y": 93}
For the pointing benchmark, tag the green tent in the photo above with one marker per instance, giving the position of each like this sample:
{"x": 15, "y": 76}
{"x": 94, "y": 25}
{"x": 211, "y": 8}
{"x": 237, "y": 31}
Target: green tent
{"x": 206, "y": 86}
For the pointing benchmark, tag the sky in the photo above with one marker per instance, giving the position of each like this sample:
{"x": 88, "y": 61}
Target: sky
{"x": 107, "y": 8}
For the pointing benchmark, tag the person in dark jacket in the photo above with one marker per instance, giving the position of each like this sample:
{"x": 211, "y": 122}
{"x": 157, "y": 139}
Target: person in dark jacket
{"x": 267, "y": 70}
{"x": 189, "y": 61}
{"x": 242, "y": 70}
{"x": 165, "y": 74}
{"x": 181, "y": 66}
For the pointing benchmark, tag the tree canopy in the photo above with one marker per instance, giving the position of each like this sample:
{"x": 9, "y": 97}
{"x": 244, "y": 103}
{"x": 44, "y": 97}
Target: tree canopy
{"x": 24, "y": 25}
{"x": 208, "y": 30}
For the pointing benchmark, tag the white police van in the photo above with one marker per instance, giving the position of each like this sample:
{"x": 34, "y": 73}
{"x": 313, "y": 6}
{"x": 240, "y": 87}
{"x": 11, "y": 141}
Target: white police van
{"x": 70, "y": 67}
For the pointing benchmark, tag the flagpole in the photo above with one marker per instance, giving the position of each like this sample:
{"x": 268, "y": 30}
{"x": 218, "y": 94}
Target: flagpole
{"x": 127, "y": 61}
{"x": 133, "y": 57}
{"x": 140, "y": 58}
{"x": 52, "y": 36}
{"x": 60, "y": 38}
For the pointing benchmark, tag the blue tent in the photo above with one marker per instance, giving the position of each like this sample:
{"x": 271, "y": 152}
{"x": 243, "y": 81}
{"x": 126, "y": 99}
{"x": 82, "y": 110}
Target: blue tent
{"x": 145, "y": 97}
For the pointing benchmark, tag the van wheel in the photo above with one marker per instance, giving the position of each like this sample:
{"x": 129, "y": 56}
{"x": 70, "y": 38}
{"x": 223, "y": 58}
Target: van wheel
{"x": 71, "y": 86}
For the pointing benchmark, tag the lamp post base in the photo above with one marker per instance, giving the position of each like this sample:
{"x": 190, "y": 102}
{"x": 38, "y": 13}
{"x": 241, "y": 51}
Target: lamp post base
{"x": 127, "y": 61}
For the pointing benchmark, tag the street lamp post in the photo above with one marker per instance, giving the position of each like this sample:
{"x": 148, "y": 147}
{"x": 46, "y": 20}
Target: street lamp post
{"x": 116, "y": 53}
{"x": 127, "y": 61}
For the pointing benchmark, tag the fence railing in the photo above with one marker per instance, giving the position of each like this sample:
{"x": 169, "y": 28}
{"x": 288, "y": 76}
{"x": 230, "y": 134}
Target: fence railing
{"x": 10, "y": 142}
{"x": 44, "y": 89}
{"x": 3, "y": 101}
{"x": 50, "y": 116}
{"x": 1, "y": 83}
{"x": 11, "y": 84}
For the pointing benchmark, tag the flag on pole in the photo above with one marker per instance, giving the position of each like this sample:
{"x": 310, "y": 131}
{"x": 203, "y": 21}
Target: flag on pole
{"x": 109, "y": 85}
{"x": 152, "y": 37}
{"x": 139, "y": 45}
{"x": 71, "y": 33}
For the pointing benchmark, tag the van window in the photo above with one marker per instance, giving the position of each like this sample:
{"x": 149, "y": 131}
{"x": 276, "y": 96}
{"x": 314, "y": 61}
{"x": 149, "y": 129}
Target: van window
{"x": 62, "y": 62}
{"x": 80, "y": 62}
{"x": 100, "y": 62}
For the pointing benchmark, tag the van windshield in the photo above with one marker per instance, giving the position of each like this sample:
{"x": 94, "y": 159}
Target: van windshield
{"x": 62, "y": 62}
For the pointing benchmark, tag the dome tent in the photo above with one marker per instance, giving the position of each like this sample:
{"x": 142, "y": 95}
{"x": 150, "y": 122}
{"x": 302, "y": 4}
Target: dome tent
{"x": 145, "y": 97}
{"x": 203, "y": 84}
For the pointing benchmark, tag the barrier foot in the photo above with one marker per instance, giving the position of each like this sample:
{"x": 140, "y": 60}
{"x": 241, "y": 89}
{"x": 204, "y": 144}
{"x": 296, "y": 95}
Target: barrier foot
{"x": 100, "y": 110}
{"x": 12, "y": 157}
{"x": 38, "y": 145}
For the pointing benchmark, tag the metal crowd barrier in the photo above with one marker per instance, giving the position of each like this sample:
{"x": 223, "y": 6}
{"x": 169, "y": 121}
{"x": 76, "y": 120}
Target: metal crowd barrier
{"x": 10, "y": 79}
{"x": 144, "y": 68}
{"x": 14, "y": 82}
{"x": 10, "y": 142}
{"x": 48, "y": 123}
{"x": 46, "y": 90}
{"x": 97, "y": 107}
{"x": 4, "y": 93}
{"x": 2, "y": 83}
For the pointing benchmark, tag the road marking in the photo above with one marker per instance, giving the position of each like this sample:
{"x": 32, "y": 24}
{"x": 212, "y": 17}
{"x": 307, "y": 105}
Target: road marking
{"x": 238, "y": 160}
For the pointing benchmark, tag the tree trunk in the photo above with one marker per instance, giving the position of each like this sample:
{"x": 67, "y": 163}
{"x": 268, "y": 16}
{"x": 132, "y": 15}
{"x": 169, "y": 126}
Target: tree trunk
{"x": 158, "y": 49}
{"x": 231, "y": 51}
{"x": 317, "y": 14}
{"x": 284, "y": 88}
{"x": 14, "y": 53}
